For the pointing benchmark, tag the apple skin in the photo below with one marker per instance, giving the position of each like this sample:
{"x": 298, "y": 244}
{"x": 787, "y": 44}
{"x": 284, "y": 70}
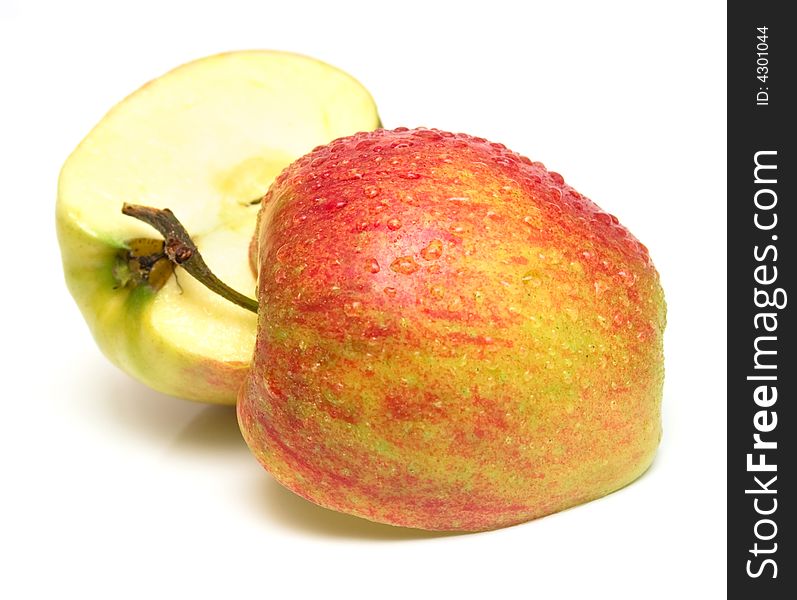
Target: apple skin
{"x": 450, "y": 337}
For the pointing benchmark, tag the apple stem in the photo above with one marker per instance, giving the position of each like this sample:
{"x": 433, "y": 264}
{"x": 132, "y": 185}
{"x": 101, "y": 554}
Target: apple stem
{"x": 182, "y": 251}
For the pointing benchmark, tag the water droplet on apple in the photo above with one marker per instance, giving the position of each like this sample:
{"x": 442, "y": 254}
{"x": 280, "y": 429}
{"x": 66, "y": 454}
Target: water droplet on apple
{"x": 394, "y": 224}
{"x": 283, "y": 252}
{"x": 628, "y": 278}
{"x": 433, "y": 250}
{"x": 600, "y": 287}
{"x": 427, "y": 134}
{"x": 389, "y": 291}
{"x": 352, "y": 309}
{"x": 410, "y": 175}
{"x": 455, "y": 305}
{"x": 405, "y": 265}
{"x": 602, "y": 217}
{"x": 556, "y": 177}
{"x": 437, "y": 291}
{"x": 532, "y": 278}
{"x": 272, "y": 389}
{"x": 371, "y": 191}
{"x": 372, "y": 266}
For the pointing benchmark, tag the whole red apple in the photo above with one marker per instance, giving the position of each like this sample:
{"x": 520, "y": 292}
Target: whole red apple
{"x": 449, "y": 336}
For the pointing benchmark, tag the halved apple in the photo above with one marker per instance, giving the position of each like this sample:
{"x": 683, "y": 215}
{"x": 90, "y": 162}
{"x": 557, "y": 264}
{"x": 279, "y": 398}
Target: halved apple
{"x": 204, "y": 140}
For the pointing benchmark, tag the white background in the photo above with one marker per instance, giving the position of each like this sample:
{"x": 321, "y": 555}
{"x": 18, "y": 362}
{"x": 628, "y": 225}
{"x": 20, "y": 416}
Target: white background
{"x": 110, "y": 490}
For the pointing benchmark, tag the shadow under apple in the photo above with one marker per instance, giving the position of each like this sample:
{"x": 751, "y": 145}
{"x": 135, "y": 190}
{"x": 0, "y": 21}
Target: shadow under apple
{"x": 296, "y": 513}
{"x": 213, "y": 430}
{"x": 147, "y": 416}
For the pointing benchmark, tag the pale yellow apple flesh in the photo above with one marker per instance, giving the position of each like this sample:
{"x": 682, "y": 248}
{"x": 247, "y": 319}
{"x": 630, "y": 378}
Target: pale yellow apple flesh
{"x": 204, "y": 140}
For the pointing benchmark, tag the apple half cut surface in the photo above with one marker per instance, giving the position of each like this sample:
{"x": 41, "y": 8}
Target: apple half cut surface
{"x": 204, "y": 140}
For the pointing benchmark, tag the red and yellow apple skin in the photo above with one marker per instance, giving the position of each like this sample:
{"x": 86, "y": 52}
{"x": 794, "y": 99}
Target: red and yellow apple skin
{"x": 450, "y": 337}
